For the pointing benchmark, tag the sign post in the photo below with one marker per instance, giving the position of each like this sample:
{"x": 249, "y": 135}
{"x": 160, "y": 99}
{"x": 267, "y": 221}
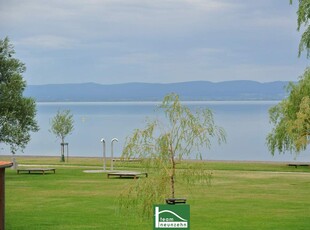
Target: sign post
{"x": 171, "y": 216}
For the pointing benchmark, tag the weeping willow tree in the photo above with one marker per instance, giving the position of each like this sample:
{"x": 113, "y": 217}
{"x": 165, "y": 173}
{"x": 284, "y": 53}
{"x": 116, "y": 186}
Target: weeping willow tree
{"x": 303, "y": 15}
{"x": 164, "y": 143}
{"x": 291, "y": 117}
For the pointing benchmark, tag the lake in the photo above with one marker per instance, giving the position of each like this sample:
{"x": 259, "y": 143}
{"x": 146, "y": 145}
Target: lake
{"x": 246, "y": 124}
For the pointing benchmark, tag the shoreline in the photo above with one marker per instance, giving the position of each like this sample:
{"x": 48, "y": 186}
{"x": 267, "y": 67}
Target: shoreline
{"x": 184, "y": 160}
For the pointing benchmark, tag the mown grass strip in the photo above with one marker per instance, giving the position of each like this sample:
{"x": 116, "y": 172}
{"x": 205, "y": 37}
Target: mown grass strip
{"x": 241, "y": 196}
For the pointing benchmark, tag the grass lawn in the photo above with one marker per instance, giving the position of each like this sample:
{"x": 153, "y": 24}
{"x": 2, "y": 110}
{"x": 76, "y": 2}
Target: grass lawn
{"x": 242, "y": 196}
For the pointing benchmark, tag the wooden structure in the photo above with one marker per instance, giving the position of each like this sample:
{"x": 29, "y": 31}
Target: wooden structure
{"x": 127, "y": 160}
{"x": 175, "y": 200}
{"x": 127, "y": 174}
{"x": 36, "y": 170}
{"x": 298, "y": 164}
{"x": 3, "y": 165}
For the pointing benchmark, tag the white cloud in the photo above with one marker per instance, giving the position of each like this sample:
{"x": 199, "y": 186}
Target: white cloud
{"x": 135, "y": 58}
{"x": 48, "y": 42}
{"x": 172, "y": 40}
{"x": 212, "y": 6}
{"x": 276, "y": 22}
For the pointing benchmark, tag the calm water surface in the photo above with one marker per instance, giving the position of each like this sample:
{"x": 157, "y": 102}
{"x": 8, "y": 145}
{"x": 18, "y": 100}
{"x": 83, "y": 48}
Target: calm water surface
{"x": 246, "y": 125}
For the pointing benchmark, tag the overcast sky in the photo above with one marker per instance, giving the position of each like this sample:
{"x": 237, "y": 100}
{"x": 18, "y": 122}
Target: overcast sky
{"x": 117, "y": 41}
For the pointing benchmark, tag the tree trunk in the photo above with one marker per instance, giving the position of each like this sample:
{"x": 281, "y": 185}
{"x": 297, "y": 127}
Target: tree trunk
{"x": 62, "y": 159}
{"x": 172, "y": 177}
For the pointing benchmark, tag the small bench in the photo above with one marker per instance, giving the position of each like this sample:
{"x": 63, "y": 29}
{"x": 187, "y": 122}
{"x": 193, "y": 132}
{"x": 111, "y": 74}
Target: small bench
{"x": 36, "y": 170}
{"x": 125, "y": 174}
{"x": 298, "y": 164}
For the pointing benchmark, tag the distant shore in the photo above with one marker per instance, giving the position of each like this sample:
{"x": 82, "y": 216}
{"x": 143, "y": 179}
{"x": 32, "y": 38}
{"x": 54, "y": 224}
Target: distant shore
{"x": 188, "y": 91}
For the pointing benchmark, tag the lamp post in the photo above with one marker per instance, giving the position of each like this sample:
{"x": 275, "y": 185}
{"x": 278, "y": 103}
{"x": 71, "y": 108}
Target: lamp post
{"x": 114, "y": 139}
{"x": 103, "y": 152}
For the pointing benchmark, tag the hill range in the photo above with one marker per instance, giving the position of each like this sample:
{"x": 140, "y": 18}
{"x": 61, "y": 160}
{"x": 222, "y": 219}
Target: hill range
{"x": 188, "y": 91}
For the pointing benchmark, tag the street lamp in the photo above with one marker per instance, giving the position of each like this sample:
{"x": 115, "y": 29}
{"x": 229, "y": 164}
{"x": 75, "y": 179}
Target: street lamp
{"x": 114, "y": 139}
{"x": 103, "y": 151}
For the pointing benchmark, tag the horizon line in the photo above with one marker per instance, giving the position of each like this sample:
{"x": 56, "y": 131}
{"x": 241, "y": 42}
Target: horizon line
{"x": 156, "y": 83}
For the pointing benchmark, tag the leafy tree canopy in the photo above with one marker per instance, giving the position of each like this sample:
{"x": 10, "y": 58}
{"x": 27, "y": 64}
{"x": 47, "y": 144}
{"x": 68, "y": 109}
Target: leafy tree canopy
{"x": 62, "y": 125}
{"x": 162, "y": 143}
{"x": 291, "y": 118}
{"x": 303, "y": 22}
{"x": 17, "y": 113}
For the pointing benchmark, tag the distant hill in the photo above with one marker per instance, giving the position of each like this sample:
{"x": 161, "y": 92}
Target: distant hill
{"x": 196, "y": 90}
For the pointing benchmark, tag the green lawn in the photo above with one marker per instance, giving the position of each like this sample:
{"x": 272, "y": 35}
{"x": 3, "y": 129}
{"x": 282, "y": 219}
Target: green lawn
{"x": 242, "y": 196}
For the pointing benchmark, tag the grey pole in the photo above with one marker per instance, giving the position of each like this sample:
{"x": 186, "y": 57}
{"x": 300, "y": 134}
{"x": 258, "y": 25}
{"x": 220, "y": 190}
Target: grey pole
{"x": 103, "y": 152}
{"x": 114, "y": 139}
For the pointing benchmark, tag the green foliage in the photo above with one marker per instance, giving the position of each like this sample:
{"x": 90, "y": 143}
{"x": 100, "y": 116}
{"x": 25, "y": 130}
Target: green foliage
{"x": 300, "y": 127}
{"x": 17, "y": 113}
{"x": 162, "y": 144}
{"x": 62, "y": 125}
{"x": 291, "y": 118}
{"x": 303, "y": 22}
{"x": 194, "y": 173}
{"x": 181, "y": 134}
{"x": 138, "y": 198}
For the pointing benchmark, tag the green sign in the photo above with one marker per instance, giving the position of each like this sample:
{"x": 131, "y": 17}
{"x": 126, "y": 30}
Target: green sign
{"x": 171, "y": 216}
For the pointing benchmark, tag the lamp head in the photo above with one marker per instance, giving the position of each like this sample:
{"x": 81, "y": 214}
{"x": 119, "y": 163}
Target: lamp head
{"x": 114, "y": 139}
